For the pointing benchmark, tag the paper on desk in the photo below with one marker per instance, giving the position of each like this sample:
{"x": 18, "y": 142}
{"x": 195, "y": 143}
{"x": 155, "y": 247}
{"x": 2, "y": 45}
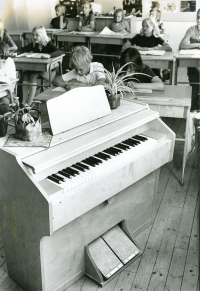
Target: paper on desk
{"x": 34, "y": 55}
{"x": 107, "y": 31}
{"x": 153, "y": 53}
{"x": 55, "y": 30}
{"x": 189, "y": 52}
{"x": 81, "y": 32}
{"x": 59, "y": 89}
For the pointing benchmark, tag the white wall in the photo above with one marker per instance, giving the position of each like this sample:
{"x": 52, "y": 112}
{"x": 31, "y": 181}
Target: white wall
{"x": 25, "y": 14}
{"x": 108, "y": 6}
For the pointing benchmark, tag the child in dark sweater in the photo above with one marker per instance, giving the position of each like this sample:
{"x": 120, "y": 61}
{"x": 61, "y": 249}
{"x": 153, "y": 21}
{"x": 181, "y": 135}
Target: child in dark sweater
{"x": 41, "y": 44}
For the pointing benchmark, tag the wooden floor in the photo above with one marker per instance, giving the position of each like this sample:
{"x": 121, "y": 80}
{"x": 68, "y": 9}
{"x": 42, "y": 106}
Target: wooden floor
{"x": 170, "y": 246}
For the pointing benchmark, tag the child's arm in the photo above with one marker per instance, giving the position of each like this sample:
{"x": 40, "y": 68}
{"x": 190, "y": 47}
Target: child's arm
{"x": 165, "y": 46}
{"x": 156, "y": 84}
{"x": 63, "y": 22}
{"x": 53, "y": 51}
{"x": 89, "y": 27}
{"x": 185, "y": 42}
{"x": 10, "y": 42}
{"x": 58, "y": 81}
{"x": 25, "y": 49}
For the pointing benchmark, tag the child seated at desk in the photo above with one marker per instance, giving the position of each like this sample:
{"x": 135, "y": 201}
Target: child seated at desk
{"x": 119, "y": 24}
{"x": 7, "y": 69}
{"x": 87, "y": 19}
{"x": 84, "y": 73}
{"x": 148, "y": 39}
{"x": 4, "y": 36}
{"x": 41, "y": 44}
{"x": 139, "y": 81}
{"x": 59, "y": 22}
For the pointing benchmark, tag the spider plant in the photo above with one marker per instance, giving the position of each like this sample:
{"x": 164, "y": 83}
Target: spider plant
{"x": 115, "y": 82}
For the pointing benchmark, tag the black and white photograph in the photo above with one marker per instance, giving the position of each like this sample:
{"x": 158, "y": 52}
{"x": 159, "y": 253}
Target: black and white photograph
{"x": 99, "y": 145}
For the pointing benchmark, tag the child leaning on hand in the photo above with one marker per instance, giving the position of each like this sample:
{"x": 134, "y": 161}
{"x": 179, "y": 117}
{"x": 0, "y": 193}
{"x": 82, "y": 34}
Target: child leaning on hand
{"x": 85, "y": 73}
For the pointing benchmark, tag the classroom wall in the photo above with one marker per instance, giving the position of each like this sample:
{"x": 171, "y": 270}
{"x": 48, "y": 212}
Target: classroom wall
{"x": 25, "y": 14}
{"x": 108, "y": 6}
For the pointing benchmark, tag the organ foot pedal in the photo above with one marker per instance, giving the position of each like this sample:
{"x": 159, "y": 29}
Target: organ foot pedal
{"x": 109, "y": 254}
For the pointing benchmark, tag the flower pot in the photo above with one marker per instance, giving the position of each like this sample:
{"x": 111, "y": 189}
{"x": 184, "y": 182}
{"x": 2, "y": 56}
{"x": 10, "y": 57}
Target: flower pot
{"x": 114, "y": 101}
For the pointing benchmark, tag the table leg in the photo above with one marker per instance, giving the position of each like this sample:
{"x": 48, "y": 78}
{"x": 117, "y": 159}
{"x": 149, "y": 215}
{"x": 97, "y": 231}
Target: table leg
{"x": 185, "y": 146}
{"x": 171, "y": 72}
{"x": 175, "y": 71}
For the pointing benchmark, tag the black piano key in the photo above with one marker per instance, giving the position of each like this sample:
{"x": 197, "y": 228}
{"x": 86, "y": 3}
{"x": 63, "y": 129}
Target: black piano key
{"x": 121, "y": 146}
{"x": 58, "y": 177}
{"x": 135, "y": 141}
{"x": 69, "y": 172}
{"x": 142, "y": 138}
{"x": 78, "y": 168}
{"x": 117, "y": 150}
{"x": 98, "y": 160}
{"x": 128, "y": 143}
{"x": 54, "y": 179}
{"x": 104, "y": 155}
{"x": 93, "y": 160}
{"x": 88, "y": 162}
{"x": 83, "y": 166}
{"x": 112, "y": 149}
{"x": 110, "y": 152}
{"x": 101, "y": 157}
{"x": 73, "y": 171}
{"x": 65, "y": 174}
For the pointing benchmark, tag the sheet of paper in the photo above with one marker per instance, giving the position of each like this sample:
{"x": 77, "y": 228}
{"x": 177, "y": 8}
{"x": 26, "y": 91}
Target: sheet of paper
{"x": 189, "y": 52}
{"x": 81, "y": 32}
{"x": 153, "y": 53}
{"x": 107, "y": 31}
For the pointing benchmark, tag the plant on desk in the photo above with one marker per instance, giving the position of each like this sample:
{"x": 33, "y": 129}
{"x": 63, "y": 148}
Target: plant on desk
{"x": 115, "y": 85}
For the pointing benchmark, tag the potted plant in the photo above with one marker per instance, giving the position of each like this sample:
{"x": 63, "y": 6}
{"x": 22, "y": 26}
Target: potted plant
{"x": 115, "y": 86}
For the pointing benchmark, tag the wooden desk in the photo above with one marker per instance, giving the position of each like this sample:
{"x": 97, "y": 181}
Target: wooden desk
{"x": 73, "y": 37}
{"x": 160, "y": 62}
{"x": 174, "y": 101}
{"x": 185, "y": 61}
{"x": 17, "y": 35}
{"x": 40, "y": 65}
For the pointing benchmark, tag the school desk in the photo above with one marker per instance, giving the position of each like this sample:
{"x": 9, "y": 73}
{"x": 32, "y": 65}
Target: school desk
{"x": 160, "y": 62}
{"x": 174, "y": 101}
{"x": 98, "y": 38}
{"x": 185, "y": 61}
{"x": 69, "y": 36}
{"x": 40, "y": 65}
{"x": 17, "y": 36}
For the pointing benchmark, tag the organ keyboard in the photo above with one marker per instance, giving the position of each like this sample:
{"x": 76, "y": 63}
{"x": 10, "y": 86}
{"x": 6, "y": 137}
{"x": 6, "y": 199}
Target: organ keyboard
{"x": 56, "y": 201}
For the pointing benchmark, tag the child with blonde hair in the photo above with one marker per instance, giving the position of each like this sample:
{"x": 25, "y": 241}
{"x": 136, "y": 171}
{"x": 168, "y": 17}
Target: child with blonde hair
{"x": 41, "y": 44}
{"x": 119, "y": 24}
{"x": 85, "y": 73}
{"x": 149, "y": 38}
